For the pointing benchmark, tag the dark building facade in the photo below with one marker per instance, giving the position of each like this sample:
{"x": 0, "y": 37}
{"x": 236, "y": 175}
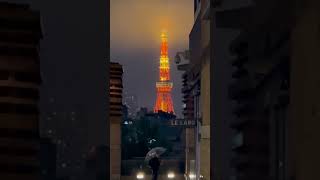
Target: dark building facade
{"x": 115, "y": 118}
{"x": 97, "y": 163}
{"x": 260, "y": 88}
{"x": 69, "y": 132}
{"x": 20, "y": 33}
{"x": 48, "y": 158}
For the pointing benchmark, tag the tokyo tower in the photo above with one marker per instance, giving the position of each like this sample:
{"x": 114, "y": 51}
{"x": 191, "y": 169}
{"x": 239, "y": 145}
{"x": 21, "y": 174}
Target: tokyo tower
{"x": 164, "y": 85}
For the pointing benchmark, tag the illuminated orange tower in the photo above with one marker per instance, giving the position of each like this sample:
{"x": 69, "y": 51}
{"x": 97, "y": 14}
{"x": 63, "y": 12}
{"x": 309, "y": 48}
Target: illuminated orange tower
{"x": 164, "y": 86}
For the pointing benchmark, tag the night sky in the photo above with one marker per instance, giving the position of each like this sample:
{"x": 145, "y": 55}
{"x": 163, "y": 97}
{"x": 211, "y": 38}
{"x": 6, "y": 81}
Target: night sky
{"x": 135, "y": 27}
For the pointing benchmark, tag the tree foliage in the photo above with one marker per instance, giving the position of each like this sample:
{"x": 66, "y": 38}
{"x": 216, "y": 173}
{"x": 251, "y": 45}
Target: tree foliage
{"x": 141, "y": 136}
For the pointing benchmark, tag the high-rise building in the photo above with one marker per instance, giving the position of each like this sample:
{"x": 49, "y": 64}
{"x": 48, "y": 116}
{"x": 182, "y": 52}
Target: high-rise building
{"x": 164, "y": 86}
{"x": 131, "y": 101}
{"x": 116, "y": 72}
{"x": 20, "y": 32}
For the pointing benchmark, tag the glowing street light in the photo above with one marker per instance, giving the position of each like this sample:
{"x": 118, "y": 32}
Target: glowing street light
{"x": 171, "y": 175}
{"x": 140, "y": 175}
{"x": 192, "y": 176}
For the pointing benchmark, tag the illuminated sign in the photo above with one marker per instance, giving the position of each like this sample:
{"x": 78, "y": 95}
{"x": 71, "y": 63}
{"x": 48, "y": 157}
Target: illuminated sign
{"x": 182, "y": 122}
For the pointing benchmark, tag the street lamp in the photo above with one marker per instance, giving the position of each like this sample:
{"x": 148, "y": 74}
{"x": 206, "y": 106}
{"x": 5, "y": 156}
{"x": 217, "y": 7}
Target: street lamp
{"x": 171, "y": 175}
{"x": 140, "y": 175}
{"x": 192, "y": 176}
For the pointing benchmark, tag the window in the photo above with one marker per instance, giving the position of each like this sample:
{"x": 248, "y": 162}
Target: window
{"x": 28, "y": 77}
{"x": 4, "y": 75}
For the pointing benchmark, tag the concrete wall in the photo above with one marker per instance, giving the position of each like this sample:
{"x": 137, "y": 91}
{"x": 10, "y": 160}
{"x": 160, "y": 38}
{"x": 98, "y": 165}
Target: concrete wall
{"x": 115, "y": 150}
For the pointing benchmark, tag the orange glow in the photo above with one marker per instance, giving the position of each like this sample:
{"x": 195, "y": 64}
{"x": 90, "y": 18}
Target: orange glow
{"x": 164, "y": 86}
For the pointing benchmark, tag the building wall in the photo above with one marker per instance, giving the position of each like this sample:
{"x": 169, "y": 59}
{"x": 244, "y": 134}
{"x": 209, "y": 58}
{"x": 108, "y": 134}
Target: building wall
{"x": 19, "y": 92}
{"x": 304, "y": 124}
{"x": 205, "y": 129}
{"x": 205, "y": 95}
{"x": 115, "y": 120}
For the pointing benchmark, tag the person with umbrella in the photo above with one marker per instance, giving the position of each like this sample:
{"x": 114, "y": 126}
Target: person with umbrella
{"x": 153, "y": 156}
{"x": 154, "y": 163}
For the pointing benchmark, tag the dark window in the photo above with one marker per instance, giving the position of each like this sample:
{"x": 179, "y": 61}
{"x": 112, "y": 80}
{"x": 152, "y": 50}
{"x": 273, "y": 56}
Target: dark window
{"x": 9, "y": 168}
{"x": 26, "y": 109}
{"x": 18, "y": 51}
{"x": 26, "y": 93}
{"x": 18, "y": 108}
{"x": 17, "y": 133}
{"x": 19, "y": 92}
{"x": 21, "y": 37}
{"x": 115, "y": 96}
{"x": 4, "y": 75}
{"x": 28, "y": 77}
{"x": 5, "y": 108}
{"x": 5, "y": 91}
{"x": 18, "y": 151}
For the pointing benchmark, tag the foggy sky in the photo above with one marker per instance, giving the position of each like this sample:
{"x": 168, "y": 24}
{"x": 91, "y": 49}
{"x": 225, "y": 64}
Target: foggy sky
{"x": 135, "y": 27}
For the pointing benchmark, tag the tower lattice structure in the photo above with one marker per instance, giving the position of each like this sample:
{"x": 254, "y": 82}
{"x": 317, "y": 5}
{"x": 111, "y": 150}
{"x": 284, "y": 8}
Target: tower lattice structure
{"x": 164, "y": 85}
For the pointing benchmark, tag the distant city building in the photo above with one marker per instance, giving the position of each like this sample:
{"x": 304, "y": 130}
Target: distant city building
{"x": 131, "y": 101}
{"x": 20, "y": 33}
{"x": 142, "y": 112}
{"x": 115, "y": 119}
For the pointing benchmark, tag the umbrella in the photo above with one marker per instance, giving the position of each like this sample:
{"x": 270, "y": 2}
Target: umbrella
{"x": 155, "y": 152}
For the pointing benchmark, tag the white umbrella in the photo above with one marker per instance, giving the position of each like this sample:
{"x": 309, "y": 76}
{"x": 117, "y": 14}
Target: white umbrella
{"x": 155, "y": 152}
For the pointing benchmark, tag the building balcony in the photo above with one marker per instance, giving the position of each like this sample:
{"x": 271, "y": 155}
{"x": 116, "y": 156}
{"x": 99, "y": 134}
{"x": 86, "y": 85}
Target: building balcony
{"x": 238, "y": 123}
{"x": 21, "y": 36}
{"x": 243, "y": 149}
{"x": 239, "y": 61}
{"x": 240, "y": 89}
{"x": 239, "y": 46}
{"x": 188, "y": 112}
{"x": 241, "y": 161}
{"x": 185, "y": 89}
{"x": 19, "y": 51}
{"x": 183, "y": 67}
{"x": 240, "y": 72}
{"x": 243, "y": 110}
